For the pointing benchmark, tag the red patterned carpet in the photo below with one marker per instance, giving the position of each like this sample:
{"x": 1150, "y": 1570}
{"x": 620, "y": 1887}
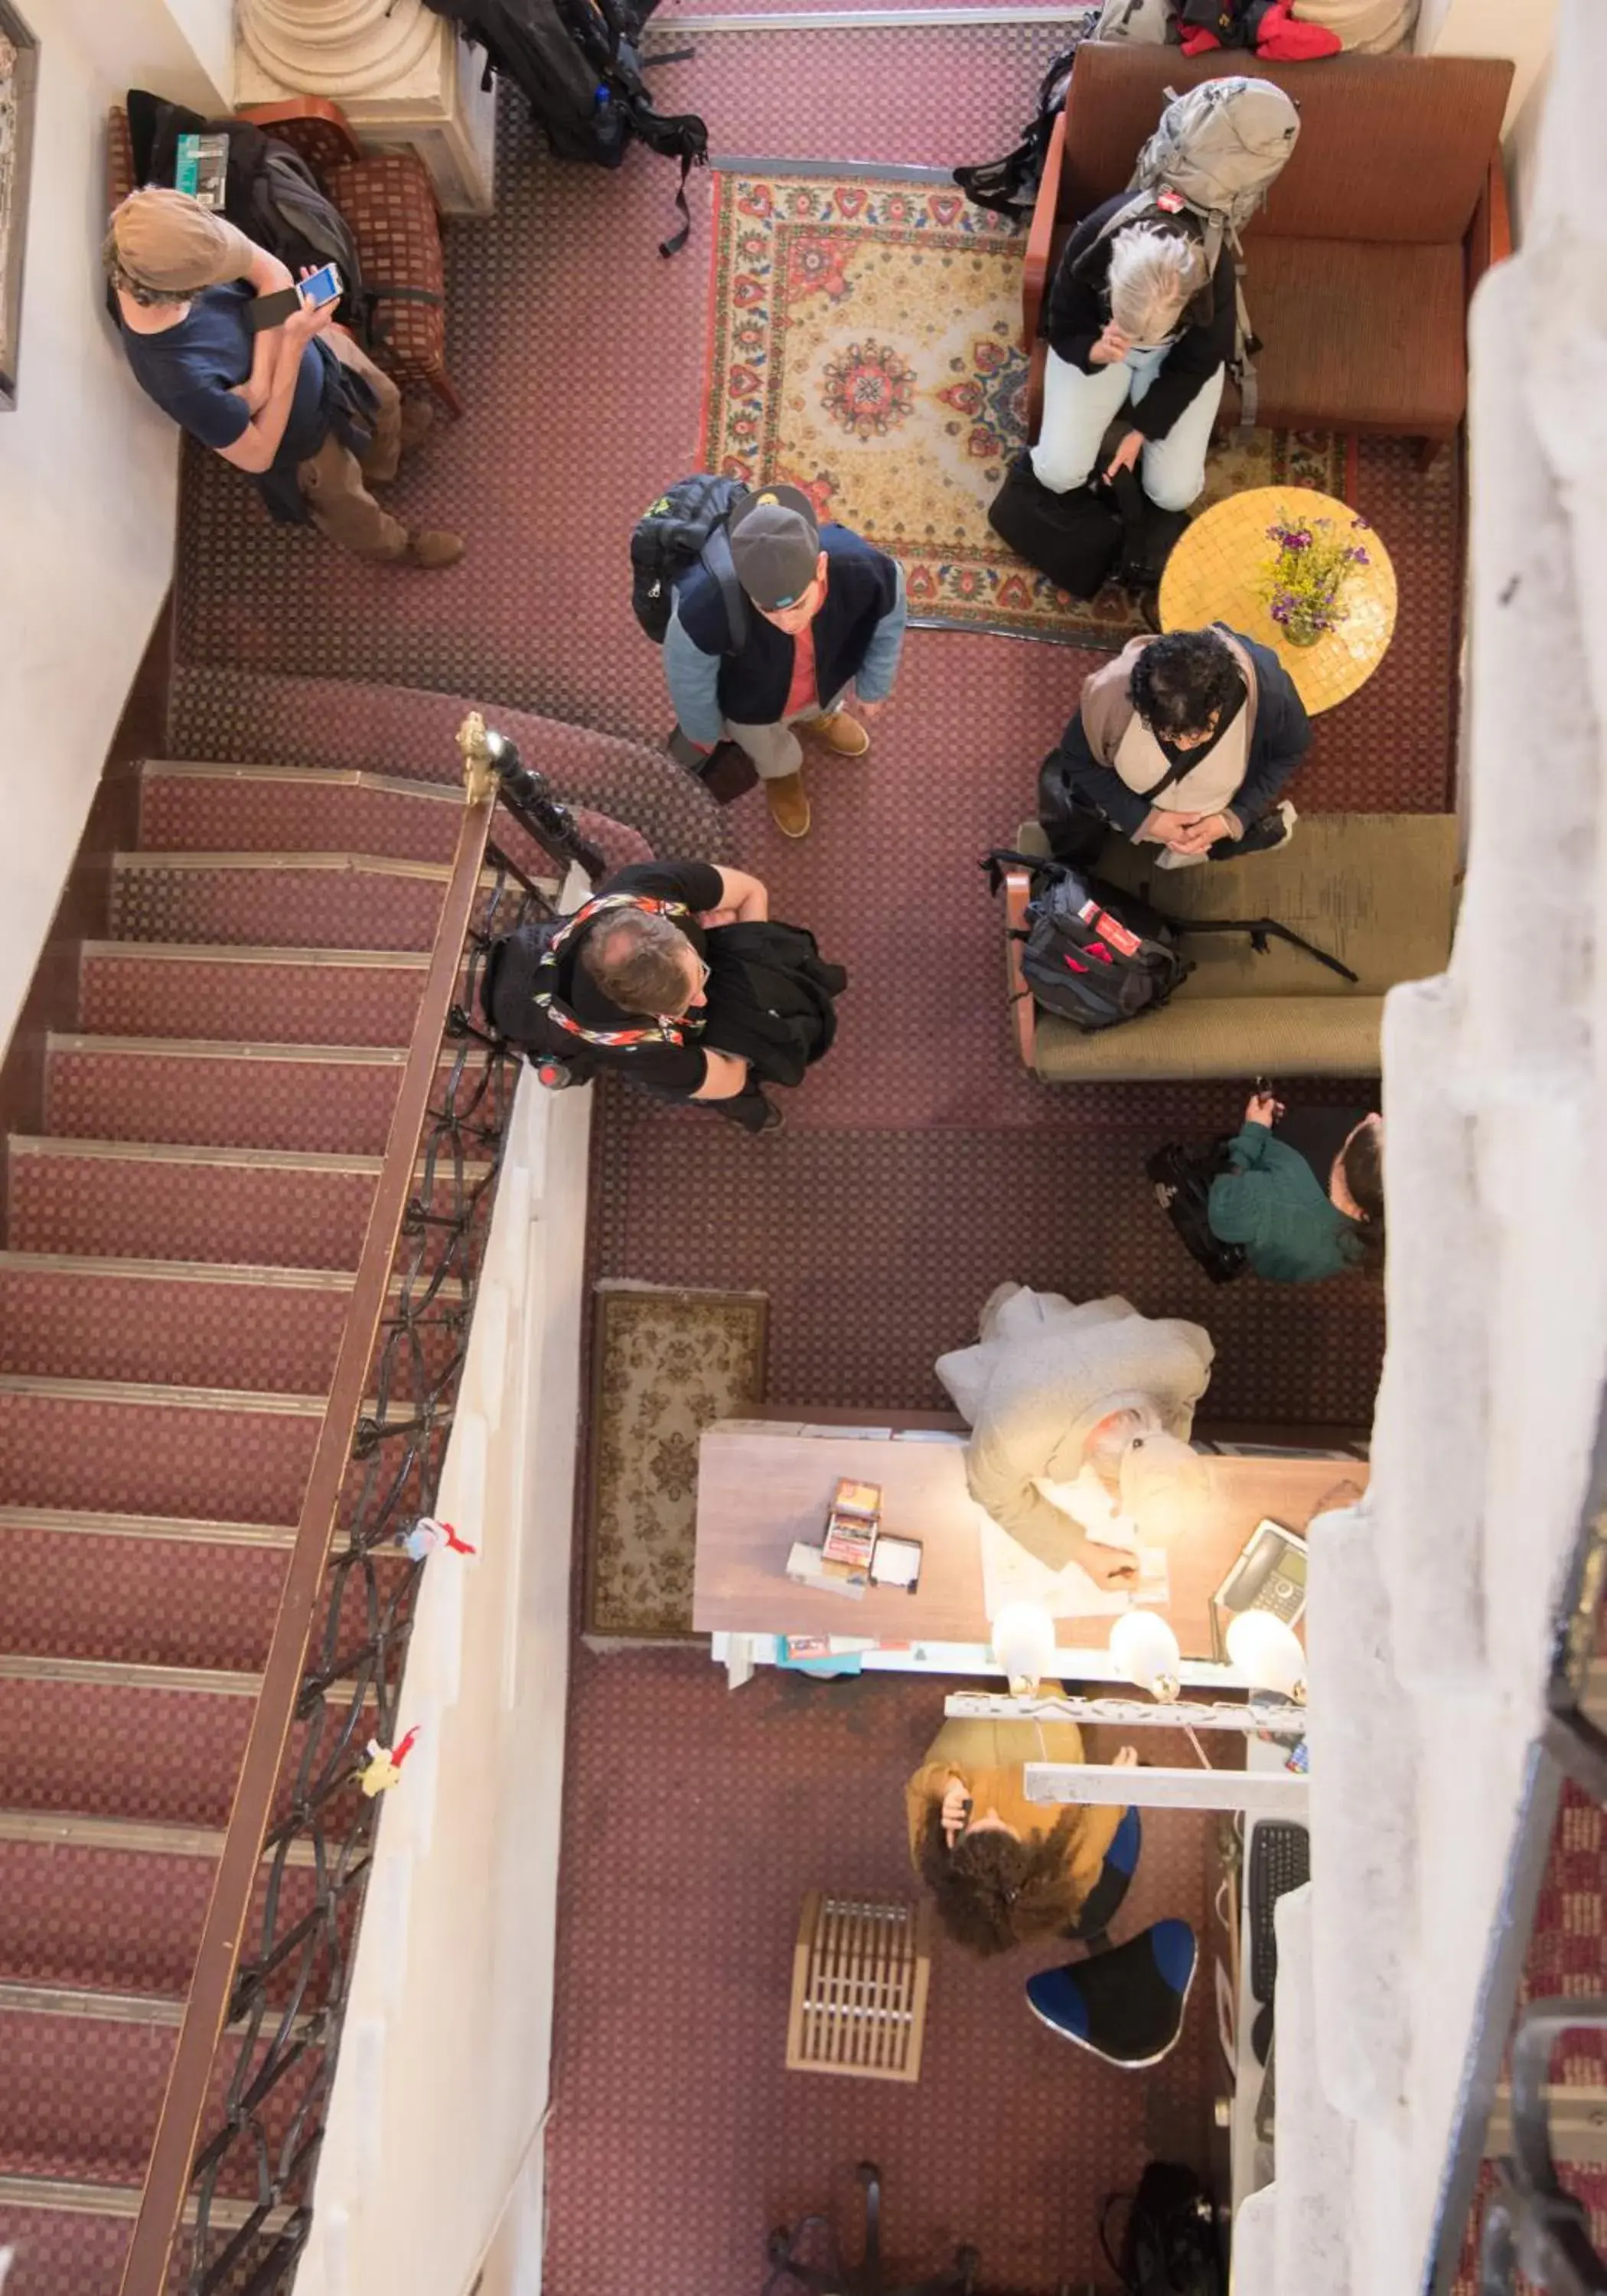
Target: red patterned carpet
{"x": 919, "y": 1168}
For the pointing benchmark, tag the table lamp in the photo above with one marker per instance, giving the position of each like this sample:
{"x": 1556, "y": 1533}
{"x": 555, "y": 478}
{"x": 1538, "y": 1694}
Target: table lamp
{"x": 1024, "y": 1643}
{"x": 1146, "y": 1649}
{"x": 1268, "y": 1655}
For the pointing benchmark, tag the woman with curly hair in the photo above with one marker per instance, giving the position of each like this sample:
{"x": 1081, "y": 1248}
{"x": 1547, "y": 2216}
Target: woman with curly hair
{"x": 1002, "y": 1869}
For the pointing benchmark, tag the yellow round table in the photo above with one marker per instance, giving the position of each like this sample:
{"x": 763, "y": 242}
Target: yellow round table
{"x": 1217, "y": 571}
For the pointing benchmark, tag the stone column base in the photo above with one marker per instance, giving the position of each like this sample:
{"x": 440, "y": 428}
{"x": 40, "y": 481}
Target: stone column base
{"x": 434, "y": 105}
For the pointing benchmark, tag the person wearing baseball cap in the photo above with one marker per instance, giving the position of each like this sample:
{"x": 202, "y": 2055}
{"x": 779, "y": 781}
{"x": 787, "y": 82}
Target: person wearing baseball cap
{"x": 297, "y": 405}
{"x": 827, "y": 612}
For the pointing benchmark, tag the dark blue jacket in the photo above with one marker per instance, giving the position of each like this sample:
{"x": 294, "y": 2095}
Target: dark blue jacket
{"x": 858, "y": 635}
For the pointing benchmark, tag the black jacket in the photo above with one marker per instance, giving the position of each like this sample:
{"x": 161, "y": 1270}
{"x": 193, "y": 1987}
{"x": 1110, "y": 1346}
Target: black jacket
{"x": 1282, "y": 737}
{"x": 862, "y": 588}
{"x": 1077, "y": 307}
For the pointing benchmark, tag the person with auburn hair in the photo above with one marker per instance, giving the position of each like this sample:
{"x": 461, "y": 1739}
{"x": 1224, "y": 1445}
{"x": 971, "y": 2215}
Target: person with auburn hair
{"x": 1003, "y": 1870}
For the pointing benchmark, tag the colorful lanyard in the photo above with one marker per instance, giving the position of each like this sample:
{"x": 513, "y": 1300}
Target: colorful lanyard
{"x": 667, "y": 1032}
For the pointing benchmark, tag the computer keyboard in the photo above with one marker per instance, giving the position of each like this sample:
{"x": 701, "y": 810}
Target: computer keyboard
{"x": 1280, "y": 1859}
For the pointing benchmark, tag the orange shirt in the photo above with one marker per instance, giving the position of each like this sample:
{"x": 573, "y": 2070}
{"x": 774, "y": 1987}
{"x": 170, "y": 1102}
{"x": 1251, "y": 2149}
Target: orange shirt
{"x": 802, "y": 699}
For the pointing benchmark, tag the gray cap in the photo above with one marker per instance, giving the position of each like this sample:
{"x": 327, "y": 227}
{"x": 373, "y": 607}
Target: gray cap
{"x": 775, "y": 545}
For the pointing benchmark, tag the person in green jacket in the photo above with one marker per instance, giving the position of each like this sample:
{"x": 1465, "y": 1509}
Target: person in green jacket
{"x": 1272, "y": 1201}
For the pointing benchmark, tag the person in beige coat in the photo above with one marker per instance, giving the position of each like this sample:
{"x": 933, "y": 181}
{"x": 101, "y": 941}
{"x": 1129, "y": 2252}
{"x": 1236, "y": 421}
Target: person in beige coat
{"x": 1002, "y": 1869}
{"x": 1094, "y": 1402}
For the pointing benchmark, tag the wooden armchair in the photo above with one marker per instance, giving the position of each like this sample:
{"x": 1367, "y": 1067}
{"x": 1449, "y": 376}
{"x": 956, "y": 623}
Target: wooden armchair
{"x": 389, "y": 203}
{"x": 1391, "y": 208}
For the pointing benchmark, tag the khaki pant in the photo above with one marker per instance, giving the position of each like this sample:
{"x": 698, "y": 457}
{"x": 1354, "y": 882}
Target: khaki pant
{"x": 776, "y": 750}
{"x": 334, "y": 483}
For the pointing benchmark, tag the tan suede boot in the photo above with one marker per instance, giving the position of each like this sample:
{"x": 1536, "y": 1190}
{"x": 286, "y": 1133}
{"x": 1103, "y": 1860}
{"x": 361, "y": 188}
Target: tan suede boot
{"x": 789, "y": 807}
{"x": 434, "y": 546}
{"x": 840, "y": 732}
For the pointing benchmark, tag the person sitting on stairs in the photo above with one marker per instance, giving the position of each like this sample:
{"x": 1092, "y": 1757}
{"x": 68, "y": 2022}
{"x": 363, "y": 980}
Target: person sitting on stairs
{"x": 299, "y": 407}
{"x": 1183, "y": 742}
{"x": 831, "y": 614}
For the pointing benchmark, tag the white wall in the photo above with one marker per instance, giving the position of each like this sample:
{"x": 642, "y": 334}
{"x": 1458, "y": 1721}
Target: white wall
{"x": 431, "y": 2165}
{"x": 1522, "y": 29}
{"x": 88, "y": 467}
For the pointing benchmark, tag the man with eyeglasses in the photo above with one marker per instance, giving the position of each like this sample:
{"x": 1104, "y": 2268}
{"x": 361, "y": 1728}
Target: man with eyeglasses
{"x": 1183, "y": 742}
{"x": 707, "y": 997}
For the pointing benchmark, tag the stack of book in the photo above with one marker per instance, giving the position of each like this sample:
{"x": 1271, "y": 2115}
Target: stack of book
{"x": 855, "y": 1553}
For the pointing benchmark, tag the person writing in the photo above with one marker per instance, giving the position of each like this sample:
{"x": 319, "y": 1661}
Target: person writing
{"x": 1074, "y": 1410}
{"x": 1183, "y": 742}
{"x": 1001, "y": 1869}
{"x": 1295, "y": 1222}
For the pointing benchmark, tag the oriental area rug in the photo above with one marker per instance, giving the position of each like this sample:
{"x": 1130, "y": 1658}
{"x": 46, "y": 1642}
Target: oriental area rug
{"x": 865, "y": 345}
{"x": 665, "y": 1364}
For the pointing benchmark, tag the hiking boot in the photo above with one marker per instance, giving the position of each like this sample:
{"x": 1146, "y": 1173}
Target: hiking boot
{"x": 434, "y": 546}
{"x": 417, "y": 417}
{"x": 840, "y": 732}
{"x": 774, "y": 1120}
{"x": 789, "y": 807}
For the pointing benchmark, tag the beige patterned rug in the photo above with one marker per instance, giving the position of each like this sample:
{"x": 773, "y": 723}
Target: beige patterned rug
{"x": 866, "y": 346}
{"x": 664, "y": 1364}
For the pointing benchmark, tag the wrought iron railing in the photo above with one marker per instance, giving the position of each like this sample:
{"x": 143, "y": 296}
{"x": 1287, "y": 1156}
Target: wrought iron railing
{"x": 1518, "y": 2220}
{"x": 228, "y": 2188}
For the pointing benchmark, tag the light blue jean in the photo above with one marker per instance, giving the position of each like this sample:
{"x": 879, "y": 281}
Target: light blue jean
{"x": 1079, "y": 408}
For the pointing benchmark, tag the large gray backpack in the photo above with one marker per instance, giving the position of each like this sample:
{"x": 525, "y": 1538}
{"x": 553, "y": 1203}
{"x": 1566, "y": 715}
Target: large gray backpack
{"x": 1219, "y": 149}
{"x": 1148, "y": 22}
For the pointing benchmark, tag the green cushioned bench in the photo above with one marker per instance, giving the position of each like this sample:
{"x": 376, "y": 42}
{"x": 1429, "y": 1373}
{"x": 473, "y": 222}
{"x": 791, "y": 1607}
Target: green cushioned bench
{"x": 1376, "y": 889}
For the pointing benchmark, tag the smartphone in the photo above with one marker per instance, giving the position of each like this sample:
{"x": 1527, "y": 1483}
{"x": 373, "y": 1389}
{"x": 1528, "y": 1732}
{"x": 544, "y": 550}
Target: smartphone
{"x": 324, "y": 286}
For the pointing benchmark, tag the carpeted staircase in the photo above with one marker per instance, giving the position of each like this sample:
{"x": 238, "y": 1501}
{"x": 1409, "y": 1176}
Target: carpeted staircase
{"x": 180, "y": 1242}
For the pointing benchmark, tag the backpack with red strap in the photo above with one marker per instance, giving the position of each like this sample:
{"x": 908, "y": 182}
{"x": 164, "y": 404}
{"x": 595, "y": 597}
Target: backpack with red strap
{"x": 1096, "y": 955}
{"x": 519, "y": 994}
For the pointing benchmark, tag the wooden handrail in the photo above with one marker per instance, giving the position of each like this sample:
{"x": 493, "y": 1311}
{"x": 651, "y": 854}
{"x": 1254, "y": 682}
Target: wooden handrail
{"x": 145, "y": 2272}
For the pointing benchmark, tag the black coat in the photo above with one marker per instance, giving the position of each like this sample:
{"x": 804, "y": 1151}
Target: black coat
{"x": 1077, "y": 307}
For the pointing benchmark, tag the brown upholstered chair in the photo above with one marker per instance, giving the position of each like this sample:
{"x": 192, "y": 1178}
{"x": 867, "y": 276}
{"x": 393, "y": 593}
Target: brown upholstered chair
{"x": 389, "y": 203}
{"x": 1391, "y": 208}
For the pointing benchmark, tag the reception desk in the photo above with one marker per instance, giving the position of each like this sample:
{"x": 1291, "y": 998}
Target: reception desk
{"x": 763, "y": 1484}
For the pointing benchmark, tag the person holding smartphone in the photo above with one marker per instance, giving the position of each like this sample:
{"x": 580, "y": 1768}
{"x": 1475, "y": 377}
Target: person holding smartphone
{"x": 1301, "y": 1206}
{"x": 1003, "y": 1870}
{"x": 297, "y": 405}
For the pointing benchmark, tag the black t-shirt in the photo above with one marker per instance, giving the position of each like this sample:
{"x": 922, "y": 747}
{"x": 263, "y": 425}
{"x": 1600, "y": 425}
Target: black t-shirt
{"x": 193, "y": 372}
{"x": 667, "y": 1067}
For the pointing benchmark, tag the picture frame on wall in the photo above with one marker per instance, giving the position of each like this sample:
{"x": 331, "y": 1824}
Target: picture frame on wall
{"x": 18, "y": 85}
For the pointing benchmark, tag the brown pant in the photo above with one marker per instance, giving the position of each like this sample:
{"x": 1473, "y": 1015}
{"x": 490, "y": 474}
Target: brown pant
{"x": 334, "y": 483}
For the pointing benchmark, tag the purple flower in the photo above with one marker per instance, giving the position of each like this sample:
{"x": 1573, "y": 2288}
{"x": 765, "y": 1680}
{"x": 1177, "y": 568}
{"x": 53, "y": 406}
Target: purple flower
{"x": 1300, "y": 539}
{"x": 1360, "y": 558}
{"x": 1362, "y": 525}
{"x": 1280, "y": 610}
{"x": 1276, "y": 533}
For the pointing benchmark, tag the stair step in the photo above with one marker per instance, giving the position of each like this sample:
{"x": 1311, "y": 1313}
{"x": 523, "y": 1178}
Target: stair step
{"x": 194, "y": 806}
{"x": 72, "y": 1589}
{"x": 263, "y": 995}
{"x": 72, "y": 2237}
{"x": 164, "y": 1744}
{"x": 80, "y": 2097}
{"x": 304, "y": 900}
{"x": 334, "y": 1099}
{"x": 183, "y": 1323}
{"x": 155, "y": 1450}
{"x": 137, "y": 1198}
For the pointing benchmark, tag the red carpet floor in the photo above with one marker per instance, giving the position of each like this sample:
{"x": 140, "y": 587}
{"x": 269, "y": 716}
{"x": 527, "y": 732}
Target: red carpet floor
{"x": 920, "y": 1168}
{"x": 678, "y": 2138}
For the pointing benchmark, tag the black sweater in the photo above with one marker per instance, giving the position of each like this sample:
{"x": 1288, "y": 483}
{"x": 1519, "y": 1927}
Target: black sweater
{"x": 1078, "y": 306}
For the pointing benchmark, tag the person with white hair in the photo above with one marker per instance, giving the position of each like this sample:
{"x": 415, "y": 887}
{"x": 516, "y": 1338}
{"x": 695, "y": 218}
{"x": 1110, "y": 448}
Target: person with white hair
{"x": 1133, "y": 321}
{"x": 1079, "y": 1419}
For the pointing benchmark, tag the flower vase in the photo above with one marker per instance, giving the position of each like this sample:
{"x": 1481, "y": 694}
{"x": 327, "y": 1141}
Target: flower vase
{"x": 1297, "y": 631}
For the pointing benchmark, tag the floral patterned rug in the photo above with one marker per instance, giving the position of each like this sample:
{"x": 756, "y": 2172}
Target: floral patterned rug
{"x": 664, "y": 1364}
{"x": 866, "y": 346}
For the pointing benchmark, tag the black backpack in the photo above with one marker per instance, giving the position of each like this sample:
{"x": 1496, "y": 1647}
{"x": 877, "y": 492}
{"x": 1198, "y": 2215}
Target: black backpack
{"x": 1181, "y": 1178}
{"x": 1009, "y": 186}
{"x": 1170, "y": 2245}
{"x": 576, "y": 63}
{"x": 686, "y": 525}
{"x": 1097, "y": 956}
